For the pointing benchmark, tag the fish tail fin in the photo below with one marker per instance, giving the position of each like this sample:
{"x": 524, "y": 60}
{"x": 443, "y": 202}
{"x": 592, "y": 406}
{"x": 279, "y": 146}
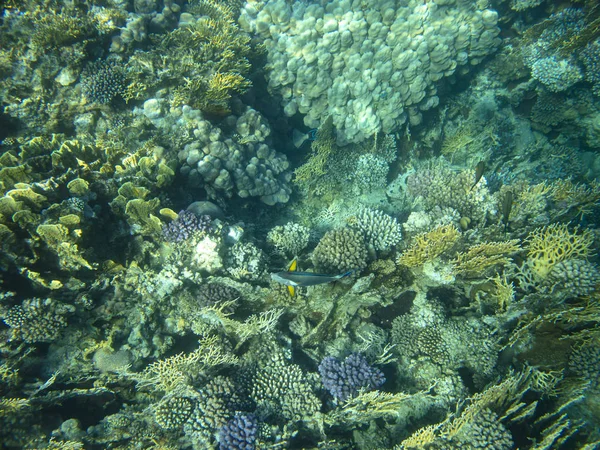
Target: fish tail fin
{"x": 291, "y": 291}
{"x": 293, "y": 265}
{"x": 347, "y": 274}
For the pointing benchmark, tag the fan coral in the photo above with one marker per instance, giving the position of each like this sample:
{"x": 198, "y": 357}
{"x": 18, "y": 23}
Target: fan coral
{"x": 428, "y": 246}
{"x": 550, "y": 245}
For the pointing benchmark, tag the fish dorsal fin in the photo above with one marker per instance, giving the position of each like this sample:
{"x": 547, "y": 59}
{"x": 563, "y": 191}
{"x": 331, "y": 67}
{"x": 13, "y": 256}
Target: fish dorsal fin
{"x": 293, "y": 266}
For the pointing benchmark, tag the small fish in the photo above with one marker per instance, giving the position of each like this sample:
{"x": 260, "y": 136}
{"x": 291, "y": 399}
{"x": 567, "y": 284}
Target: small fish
{"x": 300, "y": 138}
{"x": 479, "y": 170}
{"x": 293, "y": 279}
{"x": 507, "y": 203}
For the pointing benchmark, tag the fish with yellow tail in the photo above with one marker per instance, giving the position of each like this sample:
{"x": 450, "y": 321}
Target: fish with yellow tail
{"x": 293, "y": 279}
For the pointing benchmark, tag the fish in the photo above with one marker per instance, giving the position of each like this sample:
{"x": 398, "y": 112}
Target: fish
{"x": 479, "y": 170}
{"x": 507, "y": 203}
{"x": 293, "y": 279}
{"x": 299, "y": 138}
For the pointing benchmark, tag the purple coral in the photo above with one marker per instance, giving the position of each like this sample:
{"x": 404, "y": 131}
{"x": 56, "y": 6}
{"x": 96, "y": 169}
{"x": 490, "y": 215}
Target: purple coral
{"x": 239, "y": 433}
{"x": 344, "y": 379}
{"x": 186, "y": 224}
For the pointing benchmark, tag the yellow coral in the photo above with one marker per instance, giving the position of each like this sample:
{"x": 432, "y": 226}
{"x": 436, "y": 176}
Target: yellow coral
{"x": 430, "y": 245}
{"x": 504, "y": 292}
{"x": 479, "y": 257}
{"x": 550, "y": 245}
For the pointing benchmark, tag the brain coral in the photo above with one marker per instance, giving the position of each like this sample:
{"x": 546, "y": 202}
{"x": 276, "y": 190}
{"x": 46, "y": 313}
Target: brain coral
{"x": 368, "y": 65}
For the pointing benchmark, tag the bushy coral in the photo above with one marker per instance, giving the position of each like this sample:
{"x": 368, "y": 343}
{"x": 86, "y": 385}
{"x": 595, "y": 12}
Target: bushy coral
{"x": 381, "y": 231}
{"x": 590, "y": 57}
{"x": 283, "y": 388}
{"x": 369, "y": 67}
{"x": 103, "y": 81}
{"x": 239, "y": 433}
{"x": 340, "y": 251}
{"x": 186, "y": 224}
{"x": 37, "y": 320}
{"x": 439, "y": 186}
{"x": 426, "y": 335}
{"x": 215, "y": 404}
{"x": 173, "y": 412}
{"x": 555, "y": 74}
{"x": 584, "y": 362}
{"x": 370, "y": 172}
{"x": 289, "y": 239}
{"x": 245, "y": 261}
{"x": 573, "y": 277}
{"x": 344, "y": 379}
{"x": 483, "y": 431}
{"x": 214, "y": 293}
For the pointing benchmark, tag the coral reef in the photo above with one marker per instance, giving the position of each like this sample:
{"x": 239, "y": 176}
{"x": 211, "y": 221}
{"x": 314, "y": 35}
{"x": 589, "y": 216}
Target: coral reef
{"x": 462, "y": 240}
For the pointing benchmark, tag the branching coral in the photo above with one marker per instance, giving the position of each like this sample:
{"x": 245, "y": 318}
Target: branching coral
{"x": 180, "y": 369}
{"x": 428, "y": 246}
{"x": 480, "y": 257}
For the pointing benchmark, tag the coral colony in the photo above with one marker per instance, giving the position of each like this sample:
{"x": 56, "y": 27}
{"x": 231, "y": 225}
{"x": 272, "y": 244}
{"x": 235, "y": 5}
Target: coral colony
{"x": 311, "y": 224}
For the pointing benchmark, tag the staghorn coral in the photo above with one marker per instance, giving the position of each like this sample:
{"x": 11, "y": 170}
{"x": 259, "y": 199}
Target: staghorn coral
{"x": 340, "y": 251}
{"x": 428, "y": 246}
